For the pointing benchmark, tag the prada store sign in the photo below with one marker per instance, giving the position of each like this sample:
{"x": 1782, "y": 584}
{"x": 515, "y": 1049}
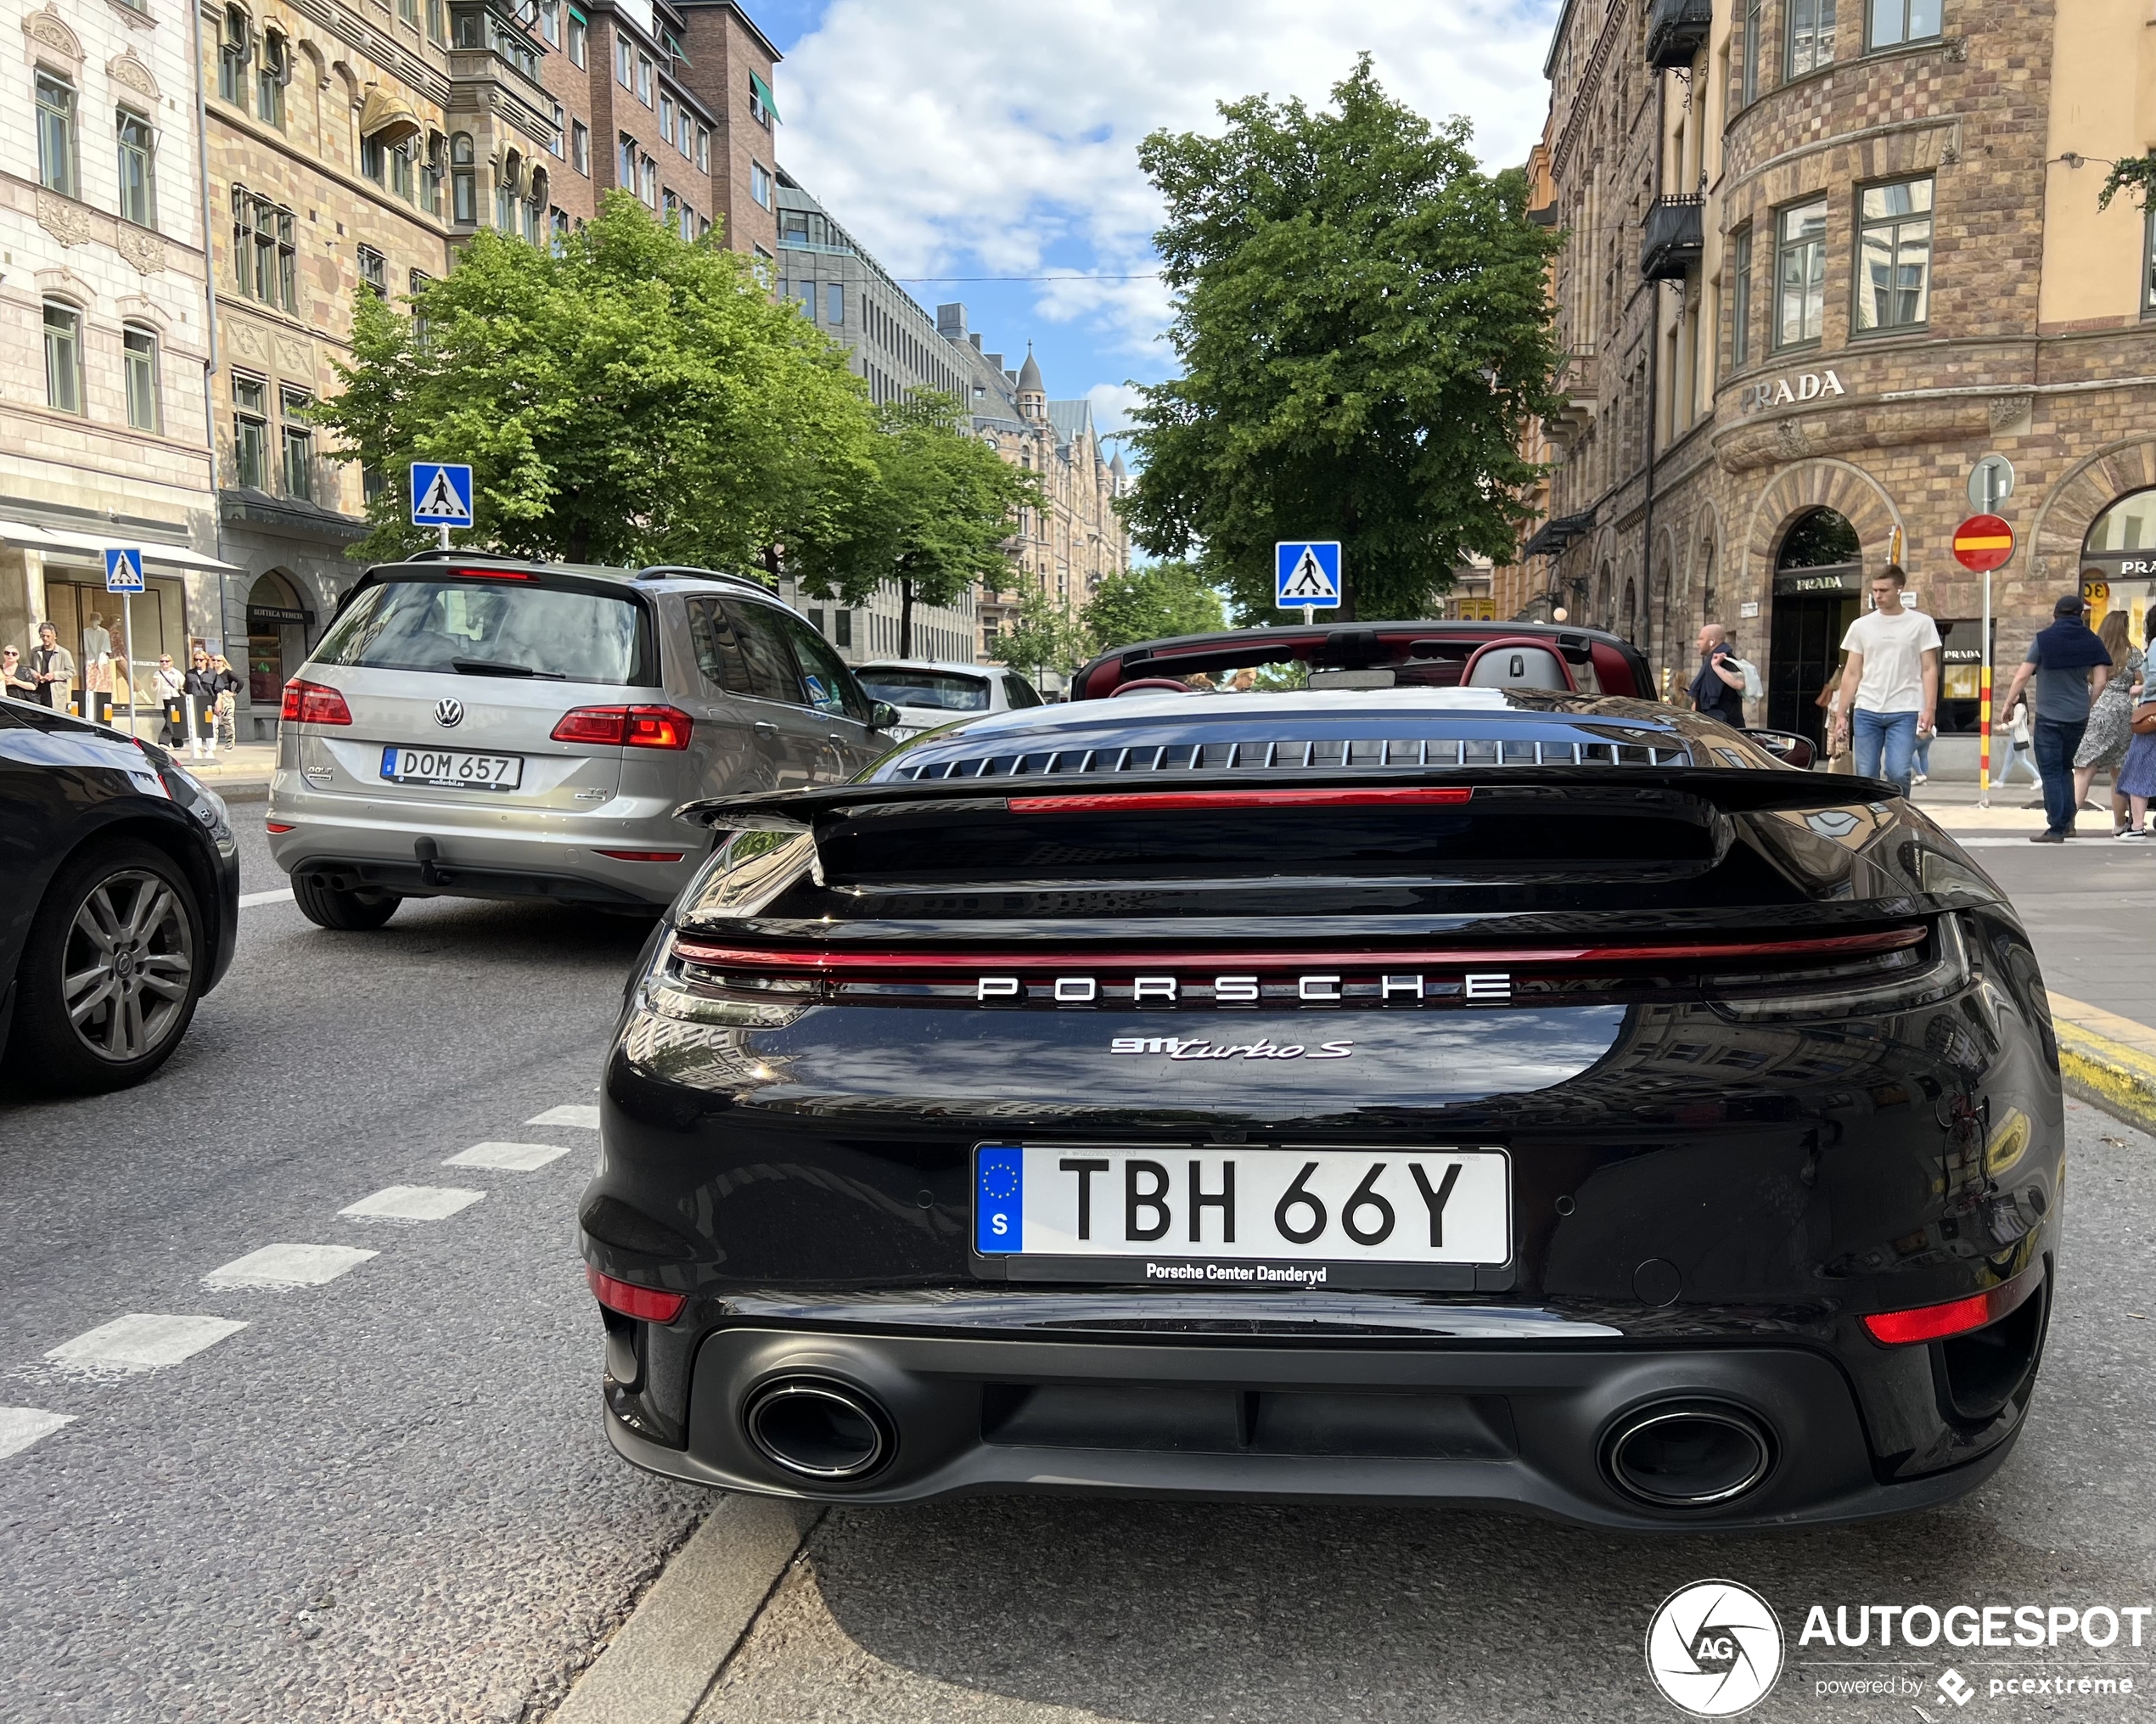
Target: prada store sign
{"x": 1781, "y": 391}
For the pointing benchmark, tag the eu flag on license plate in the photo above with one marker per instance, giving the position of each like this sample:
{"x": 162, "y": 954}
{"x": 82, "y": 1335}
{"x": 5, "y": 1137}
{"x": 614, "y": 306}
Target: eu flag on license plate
{"x": 999, "y": 1198}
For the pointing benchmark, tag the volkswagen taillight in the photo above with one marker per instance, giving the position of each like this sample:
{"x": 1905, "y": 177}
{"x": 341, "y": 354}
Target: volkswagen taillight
{"x": 314, "y": 702}
{"x": 626, "y": 727}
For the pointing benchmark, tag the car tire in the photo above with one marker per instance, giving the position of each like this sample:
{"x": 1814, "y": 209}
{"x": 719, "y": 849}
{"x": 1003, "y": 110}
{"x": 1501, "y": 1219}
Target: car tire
{"x": 122, "y": 921}
{"x": 347, "y": 913}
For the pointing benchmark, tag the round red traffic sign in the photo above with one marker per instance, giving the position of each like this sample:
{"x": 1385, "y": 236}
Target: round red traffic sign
{"x": 1983, "y": 542}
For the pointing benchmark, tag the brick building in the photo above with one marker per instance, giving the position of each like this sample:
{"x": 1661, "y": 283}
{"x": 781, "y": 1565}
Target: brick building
{"x": 103, "y": 436}
{"x": 1820, "y": 258}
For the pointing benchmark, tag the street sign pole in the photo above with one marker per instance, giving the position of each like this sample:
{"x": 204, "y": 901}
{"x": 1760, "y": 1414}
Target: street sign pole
{"x": 127, "y": 654}
{"x": 1984, "y": 706}
{"x": 1983, "y": 544}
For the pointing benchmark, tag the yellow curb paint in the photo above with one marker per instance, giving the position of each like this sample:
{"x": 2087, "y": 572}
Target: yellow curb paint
{"x": 2111, "y": 1073}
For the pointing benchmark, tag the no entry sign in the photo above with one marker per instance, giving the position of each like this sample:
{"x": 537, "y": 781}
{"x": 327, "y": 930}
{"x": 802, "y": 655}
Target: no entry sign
{"x": 1983, "y": 542}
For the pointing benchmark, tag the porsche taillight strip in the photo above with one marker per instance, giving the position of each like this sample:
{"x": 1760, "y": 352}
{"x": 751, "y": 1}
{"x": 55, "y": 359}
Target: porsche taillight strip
{"x": 1151, "y": 801}
{"x": 841, "y": 964}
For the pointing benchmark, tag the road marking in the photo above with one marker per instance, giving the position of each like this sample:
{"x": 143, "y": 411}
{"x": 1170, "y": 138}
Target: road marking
{"x": 513, "y": 1158}
{"x": 21, "y": 1426}
{"x": 283, "y": 895}
{"x": 412, "y": 1203}
{"x": 289, "y": 1265}
{"x": 584, "y": 1114}
{"x": 143, "y": 1341}
{"x": 2001, "y": 842}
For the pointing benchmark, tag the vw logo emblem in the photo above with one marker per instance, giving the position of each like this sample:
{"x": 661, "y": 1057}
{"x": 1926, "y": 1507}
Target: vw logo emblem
{"x": 449, "y": 712}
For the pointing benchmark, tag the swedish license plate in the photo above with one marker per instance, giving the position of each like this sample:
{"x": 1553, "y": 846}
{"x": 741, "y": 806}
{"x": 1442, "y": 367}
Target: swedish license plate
{"x": 452, "y": 769}
{"x": 1225, "y": 1216}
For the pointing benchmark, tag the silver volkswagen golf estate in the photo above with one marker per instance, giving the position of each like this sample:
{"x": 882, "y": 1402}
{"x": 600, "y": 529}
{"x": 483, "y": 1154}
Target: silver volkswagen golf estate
{"x": 484, "y": 727}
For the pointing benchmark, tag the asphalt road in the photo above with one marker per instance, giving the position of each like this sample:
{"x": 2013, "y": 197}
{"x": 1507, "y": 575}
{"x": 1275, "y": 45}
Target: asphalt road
{"x": 387, "y": 1496}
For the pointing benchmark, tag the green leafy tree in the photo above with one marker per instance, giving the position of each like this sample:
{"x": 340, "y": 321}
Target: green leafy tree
{"x": 1363, "y": 324}
{"x": 1046, "y": 637}
{"x": 639, "y": 398}
{"x": 933, "y": 517}
{"x": 1146, "y": 603}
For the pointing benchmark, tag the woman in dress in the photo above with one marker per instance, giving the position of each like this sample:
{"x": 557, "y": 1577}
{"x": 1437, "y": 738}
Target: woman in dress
{"x": 2138, "y": 775}
{"x": 2103, "y": 744}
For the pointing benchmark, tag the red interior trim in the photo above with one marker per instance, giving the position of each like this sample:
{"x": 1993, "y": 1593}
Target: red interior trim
{"x": 1125, "y": 802}
{"x": 830, "y": 960}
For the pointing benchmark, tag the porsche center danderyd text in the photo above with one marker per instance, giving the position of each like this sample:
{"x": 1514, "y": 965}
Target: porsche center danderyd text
{"x": 1410, "y": 1094}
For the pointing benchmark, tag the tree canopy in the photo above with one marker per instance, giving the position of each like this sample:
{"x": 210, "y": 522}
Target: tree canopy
{"x": 637, "y": 398}
{"x": 932, "y": 515}
{"x": 1363, "y": 319}
{"x": 1146, "y": 604}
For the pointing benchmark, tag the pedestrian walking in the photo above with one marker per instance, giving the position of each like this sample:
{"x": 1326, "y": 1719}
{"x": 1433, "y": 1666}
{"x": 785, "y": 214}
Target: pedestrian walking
{"x": 167, "y": 685}
{"x": 1829, "y": 703}
{"x": 52, "y": 668}
{"x": 1891, "y": 683}
{"x": 228, "y": 705}
{"x": 14, "y": 677}
{"x": 1718, "y": 688}
{"x": 2070, "y": 667}
{"x": 2103, "y": 745}
{"x": 2137, "y": 773}
{"x": 198, "y": 694}
{"x": 2021, "y": 749}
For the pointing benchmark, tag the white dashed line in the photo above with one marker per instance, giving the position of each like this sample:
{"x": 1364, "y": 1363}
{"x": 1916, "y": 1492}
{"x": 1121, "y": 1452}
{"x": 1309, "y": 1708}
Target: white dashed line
{"x": 143, "y": 1341}
{"x": 584, "y": 1114}
{"x": 289, "y": 1265}
{"x": 412, "y": 1203}
{"x": 21, "y": 1426}
{"x": 513, "y": 1158}
{"x": 283, "y": 895}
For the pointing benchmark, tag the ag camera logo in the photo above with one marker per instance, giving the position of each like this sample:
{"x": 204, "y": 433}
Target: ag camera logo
{"x": 1715, "y": 1648}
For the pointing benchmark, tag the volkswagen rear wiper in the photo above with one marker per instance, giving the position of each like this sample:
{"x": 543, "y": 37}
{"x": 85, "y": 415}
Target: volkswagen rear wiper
{"x": 489, "y": 667}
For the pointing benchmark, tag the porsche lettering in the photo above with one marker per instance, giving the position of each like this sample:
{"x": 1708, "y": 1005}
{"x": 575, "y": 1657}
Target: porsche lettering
{"x": 1326, "y": 988}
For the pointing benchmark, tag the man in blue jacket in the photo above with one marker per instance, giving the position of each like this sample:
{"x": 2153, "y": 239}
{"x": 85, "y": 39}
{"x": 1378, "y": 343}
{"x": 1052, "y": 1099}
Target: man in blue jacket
{"x": 2071, "y": 667}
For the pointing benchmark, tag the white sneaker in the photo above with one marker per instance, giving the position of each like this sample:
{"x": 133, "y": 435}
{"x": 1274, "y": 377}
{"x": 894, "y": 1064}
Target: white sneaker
{"x": 1920, "y": 778}
{"x": 2130, "y": 832}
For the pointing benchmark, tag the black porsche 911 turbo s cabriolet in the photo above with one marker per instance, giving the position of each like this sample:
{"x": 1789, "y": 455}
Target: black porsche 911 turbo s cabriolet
{"x": 1510, "y": 1095}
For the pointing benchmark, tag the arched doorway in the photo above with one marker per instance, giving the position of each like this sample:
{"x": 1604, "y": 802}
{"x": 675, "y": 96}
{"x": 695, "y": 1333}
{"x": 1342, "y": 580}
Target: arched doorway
{"x": 278, "y": 625}
{"x": 2121, "y": 545}
{"x": 1628, "y": 624}
{"x": 1818, "y": 585}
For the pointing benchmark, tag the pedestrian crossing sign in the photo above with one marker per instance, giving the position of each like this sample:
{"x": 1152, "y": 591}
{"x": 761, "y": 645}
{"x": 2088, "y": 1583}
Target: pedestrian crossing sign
{"x": 1306, "y": 572}
{"x": 441, "y": 494}
{"x": 123, "y": 569}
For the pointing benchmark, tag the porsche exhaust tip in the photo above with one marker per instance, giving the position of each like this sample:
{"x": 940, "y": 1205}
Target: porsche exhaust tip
{"x": 818, "y": 1428}
{"x": 1688, "y": 1454}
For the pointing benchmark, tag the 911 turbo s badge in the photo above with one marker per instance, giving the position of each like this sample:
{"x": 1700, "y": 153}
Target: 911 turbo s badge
{"x": 1198, "y": 1047}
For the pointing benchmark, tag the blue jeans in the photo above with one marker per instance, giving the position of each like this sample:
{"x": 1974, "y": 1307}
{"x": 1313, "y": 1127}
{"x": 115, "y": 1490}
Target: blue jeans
{"x": 2056, "y": 739}
{"x": 1893, "y": 734}
{"x": 2022, "y": 757}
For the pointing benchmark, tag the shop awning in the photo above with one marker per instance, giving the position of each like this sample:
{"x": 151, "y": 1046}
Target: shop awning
{"x": 1553, "y": 536}
{"x": 764, "y": 95}
{"x": 387, "y": 116}
{"x": 66, "y": 541}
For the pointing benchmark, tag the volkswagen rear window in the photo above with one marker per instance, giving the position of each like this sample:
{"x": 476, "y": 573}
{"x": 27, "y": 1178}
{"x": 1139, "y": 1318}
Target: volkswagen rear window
{"x": 494, "y": 627}
{"x": 944, "y": 691}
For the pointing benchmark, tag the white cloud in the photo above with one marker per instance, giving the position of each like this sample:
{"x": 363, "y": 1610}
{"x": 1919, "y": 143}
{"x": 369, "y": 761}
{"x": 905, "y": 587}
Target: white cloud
{"x": 980, "y": 138}
{"x": 1112, "y": 404}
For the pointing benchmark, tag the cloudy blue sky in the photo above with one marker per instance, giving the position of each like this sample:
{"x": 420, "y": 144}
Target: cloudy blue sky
{"x": 974, "y": 138}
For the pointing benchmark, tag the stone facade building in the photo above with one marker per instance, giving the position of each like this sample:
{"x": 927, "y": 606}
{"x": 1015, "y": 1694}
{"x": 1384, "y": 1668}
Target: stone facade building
{"x": 1821, "y": 258}
{"x": 103, "y": 433}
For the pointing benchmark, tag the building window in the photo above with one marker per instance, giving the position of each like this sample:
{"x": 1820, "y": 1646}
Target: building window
{"x": 264, "y": 251}
{"x": 56, "y": 135}
{"x": 667, "y": 118}
{"x": 757, "y": 111}
{"x": 644, "y": 79}
{"x": 438, "y": 22}
{"x": 759, "y": 183}
{"x": 401, "y": 172}
{"x": 139, "y": 352}
{"x": 137, "y": 168}
{"x": 1800, "y": 274}
{"x": 535, "y": 206}
{"x": 1747, "y": 90}
{"x": 1740, "y": 340}
{"x": 250, "y": 431}
{"x": 463, "y": 181}
{"x": 672, "y": 212}
{"x": 1896, "y": 21}
{"x": 417, "y": 281}
{"x": 558, "y": 143}
{"x": 508, "y": 185}
{"x": 430, "y": 173}
{"x": 703, "y": 225}
{"x": 373, "y": 271}
{"x": 834, "y": 304}
{"x": 647, "y": 180}
{"x": 550, "y": 21}
{"x": 373, "y": 159}
{"x": 1811, "y": 36}
{"x": 63, "y": 357}
{"x": 625, "y": 61}
{"x": 1894, "y": 256}
{"x": 704, "y": 148}
{"x": 298, "y": 443}
{"x": 271, "y": 77}
{"x": 580, "y": 147}
{"x": 231, "y": 58}
{"x": 558, "y": 231}
{"x": 689, "y": 222}
{"x": 842, "y": 628}
{"x": 407, "y": 12}
{"x": 579, "y": 39}
{"x": 627, "y": 172}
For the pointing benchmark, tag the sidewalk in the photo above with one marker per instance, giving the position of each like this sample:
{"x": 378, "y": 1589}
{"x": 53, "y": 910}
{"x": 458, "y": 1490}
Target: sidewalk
{"x": 235, "y": 770}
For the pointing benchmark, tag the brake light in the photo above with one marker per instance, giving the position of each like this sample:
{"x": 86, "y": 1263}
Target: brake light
{"x": 312, "y": 702}
{"x": 277, "y": 826}
{"x": 493, "y": 574}
{"x": 653, "y": 856}
{"x": 626, "y": 727}
{"x": 1126, "y": 801}
{"x": 626, "y": 1298}
{"x": 1957, "y": 1316}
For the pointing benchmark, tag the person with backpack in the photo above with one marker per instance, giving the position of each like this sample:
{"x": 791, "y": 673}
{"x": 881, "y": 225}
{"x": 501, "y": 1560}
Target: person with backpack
{"x": 1718, "y": 689}
{"x": 1890, "y": 683}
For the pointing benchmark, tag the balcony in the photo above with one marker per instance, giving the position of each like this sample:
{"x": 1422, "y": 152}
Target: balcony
{"x": 1575, "y": 385}
{"x": 1676, "y": 30}
{"x": 1673, "y": 237}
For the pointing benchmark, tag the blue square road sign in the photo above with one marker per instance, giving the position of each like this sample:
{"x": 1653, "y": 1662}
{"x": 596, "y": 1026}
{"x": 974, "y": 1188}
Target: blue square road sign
{"x": 441, "y": 494}
{"x": 123, "y": 569}
{"x": 1306, "y": 572}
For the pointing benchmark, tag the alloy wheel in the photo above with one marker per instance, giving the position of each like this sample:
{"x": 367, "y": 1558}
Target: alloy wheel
{"x": 129, "y": 965}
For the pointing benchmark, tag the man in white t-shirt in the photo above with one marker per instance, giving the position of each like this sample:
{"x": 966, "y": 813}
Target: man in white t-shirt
{"x": 1890, "y": 683}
